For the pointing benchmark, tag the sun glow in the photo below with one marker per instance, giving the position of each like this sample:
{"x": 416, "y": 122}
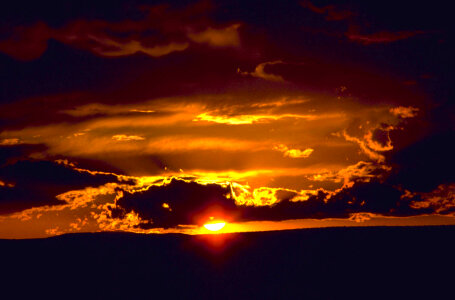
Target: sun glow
{"x": 215, "y": 226}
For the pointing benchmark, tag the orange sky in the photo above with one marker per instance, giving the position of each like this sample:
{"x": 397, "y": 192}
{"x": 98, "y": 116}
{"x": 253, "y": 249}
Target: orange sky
{"x": 156, "y": 123}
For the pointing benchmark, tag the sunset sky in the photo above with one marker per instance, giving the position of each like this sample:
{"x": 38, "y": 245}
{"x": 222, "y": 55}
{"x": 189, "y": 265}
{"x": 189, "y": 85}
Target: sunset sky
{"x": 151, "y": 117}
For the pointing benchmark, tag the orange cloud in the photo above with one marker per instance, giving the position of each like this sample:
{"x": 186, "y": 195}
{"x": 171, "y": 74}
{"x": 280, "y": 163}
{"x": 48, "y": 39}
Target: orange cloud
{"x": 404, "y": 112}
{"x": 259, "y": 72}
{"x": 250, "y": 119}
{"x": 188, "y": 143}
{"x": 224, "y": 37}
{"x": 109, "y": 47}
{"x": 293, "y": 153}
{"x": 360, "y": 171}
{"x": 365, "y": 146}
{"x": 244, "y": 195}
{"x": 362, "y": 217}
{"x": 123, "y": 137}
{"x": 9, "y": 142}
{"x": 441, "y": 200}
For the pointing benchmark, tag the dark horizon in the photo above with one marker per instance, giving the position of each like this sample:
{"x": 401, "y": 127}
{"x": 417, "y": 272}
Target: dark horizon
{"x": 341, "y": 263}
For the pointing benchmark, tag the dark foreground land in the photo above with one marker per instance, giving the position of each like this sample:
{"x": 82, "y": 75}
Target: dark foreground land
{"x": 333, "y": 263}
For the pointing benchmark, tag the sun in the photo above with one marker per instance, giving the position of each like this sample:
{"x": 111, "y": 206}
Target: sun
{"x": 215, "y": 226}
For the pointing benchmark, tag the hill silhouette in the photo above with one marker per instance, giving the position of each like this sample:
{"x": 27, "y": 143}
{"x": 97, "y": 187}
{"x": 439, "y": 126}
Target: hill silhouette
{"x": 329, "y": 263}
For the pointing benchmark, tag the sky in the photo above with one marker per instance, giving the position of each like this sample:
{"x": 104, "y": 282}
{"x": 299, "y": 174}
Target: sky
{"x": 155, "y": 117}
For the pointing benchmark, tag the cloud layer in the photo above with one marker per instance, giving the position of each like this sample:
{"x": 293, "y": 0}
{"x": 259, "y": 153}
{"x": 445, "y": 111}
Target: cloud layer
{"x": 155, "y": 118}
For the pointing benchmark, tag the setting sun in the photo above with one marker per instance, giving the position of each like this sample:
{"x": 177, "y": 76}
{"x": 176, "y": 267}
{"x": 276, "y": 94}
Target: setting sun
{"x": 215, "y": 226}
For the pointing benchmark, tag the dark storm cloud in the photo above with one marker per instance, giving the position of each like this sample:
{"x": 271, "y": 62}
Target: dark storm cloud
{"x": 32, "y": 183}
{"x": 13, "y": 153}
{"x": 423, "y": 157}
{"x": 190, "y": 203}
{"x": 362, "y": 197}
{"x": 426, "y": 164}
{"x": 177, "y": 203}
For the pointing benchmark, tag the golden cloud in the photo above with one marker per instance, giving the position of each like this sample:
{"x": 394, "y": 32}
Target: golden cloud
{"x": 123, "y": 137}
{"x": 10, "y": 142}
{"x": 404, "y": 112}
{"x": 293, "y": 153}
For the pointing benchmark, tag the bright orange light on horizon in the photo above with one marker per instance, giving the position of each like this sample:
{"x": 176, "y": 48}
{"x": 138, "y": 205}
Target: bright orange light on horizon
{"x": 215, "y": 226}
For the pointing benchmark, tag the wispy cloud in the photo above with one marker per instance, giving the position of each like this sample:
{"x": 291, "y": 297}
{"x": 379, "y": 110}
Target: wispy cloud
{"x": 260, "y": 72}
{"x": 9, "y": 142}
{"x": 331, "y": 12}
{"x": 109, "y": 47}
{"x": 293, "y": 153}
{"x": 381, "y": 37}
{"x": 126, "y": 37}
{"x": 123, "y": 137}
{"x": 250, "y": 119}
{"x": 404, "y": 112}
{"x": 222, "y": 37}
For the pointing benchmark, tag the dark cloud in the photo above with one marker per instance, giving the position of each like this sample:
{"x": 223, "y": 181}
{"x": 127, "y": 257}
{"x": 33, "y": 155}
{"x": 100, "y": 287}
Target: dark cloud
{"x": 422, "y": 158}
{"x": 159, "y": 32}
{"x": 187, "y": 203}
{"x": 190, "y": 203}
{"x": 362, "y": 197}
{"x": 13, "y": 153}
{"x": 354, "y": 34}
{"x": 381, "y": 37}
{"x": 331, "y": 12}
{"x": 424, "y": 165}
{"x": 32, "y": 183}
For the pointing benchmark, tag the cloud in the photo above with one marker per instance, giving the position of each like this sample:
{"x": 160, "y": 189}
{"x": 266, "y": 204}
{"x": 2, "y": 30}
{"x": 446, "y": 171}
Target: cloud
{"x": 126, "y": 37}
{"x": 27, "y": 42}
{"x": 190, "y": 203}
{"x": 189, "y": 143}
{"x": 10, "y": 154}
{"x": 330, "y": 11}
{"x": 362, "y": 171}
{"x": 404, "y": 112}
{"x": 381, "y": 37}
{"x": 424, "y": 165}
{"x": 250, "y": 119}
{"x": 98, "y": 109}
{"x": 178, "y": 202}
{"x": 185, "y": 202}
{"x": 109, "y": 47}
{"x": 9, "y": 142}
{"x": 33, "y": 183}
{"x": 361, "y": 217}
{"x": 440, "y": 201}
{"x": 223, "y": 37}
{"x": 259, "y": 72}
{"x": 123, "y": 137}
{"x": 294, "y": 153}
{"x": 365, "y": 146}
